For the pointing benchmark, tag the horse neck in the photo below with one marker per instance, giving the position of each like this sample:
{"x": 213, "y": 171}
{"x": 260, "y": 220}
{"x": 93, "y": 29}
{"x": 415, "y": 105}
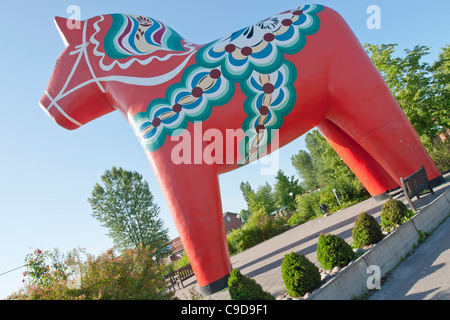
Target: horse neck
{"x": 152, "y": 69}
{"x": 118, "y": 63}
{"x": 123, "y": 77}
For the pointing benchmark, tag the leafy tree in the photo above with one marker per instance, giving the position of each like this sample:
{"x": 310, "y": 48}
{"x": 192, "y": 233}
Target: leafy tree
{"x": 286, "y": 188}
{"x": 327, "y": 162}
{"x": 247, "y": 192}
{"x": 441, "y": 68}
{"x": 262, "y": 199}
{"x": 124, "y": 205}
{"x": 321, "y": 165}
{"x": 441, "y": 86}
{"x": 439, "y": 152}
{"x": 245, "y": 215}
{"x": 317, "y": 146}
{"x": 421, "y": 90}
{"x": 303, "y": 163}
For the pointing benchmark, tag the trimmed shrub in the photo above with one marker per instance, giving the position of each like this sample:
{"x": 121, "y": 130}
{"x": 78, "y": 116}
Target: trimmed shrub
{"x": 392, "y": 213}
{"x": 333, "y": 251}
{"x": 244, "y": 288}
{"x": 239, "y": 240}
{"x": 299, "y": 274}
{"x": 366, "y": 231}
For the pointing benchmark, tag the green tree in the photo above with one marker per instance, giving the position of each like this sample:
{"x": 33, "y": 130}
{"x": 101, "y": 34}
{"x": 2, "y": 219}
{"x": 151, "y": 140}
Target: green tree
{"x": 302, "y": 162}
{"x": 327, "y": 162}
{"x": 261, "y": 199}
{"x": 320, "y": 165}
{"x": 245, "y": 215}
{"x": 247, "y": 192}
{"x": 286, "y": 188}
{"x": 421, "y": 90}
{"x": 439, "y": 152}
{"x": 125, "y": 206}
{"x": 441, "y": 68}
{"x": 441, "y": 86}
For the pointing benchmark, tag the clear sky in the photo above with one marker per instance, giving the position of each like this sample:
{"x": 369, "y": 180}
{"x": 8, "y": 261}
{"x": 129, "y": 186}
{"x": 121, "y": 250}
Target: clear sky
{"x": 47, "y": 173}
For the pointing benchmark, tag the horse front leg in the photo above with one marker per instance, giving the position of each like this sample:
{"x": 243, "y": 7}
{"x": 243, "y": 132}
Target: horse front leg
{"x": 193, "y": 197}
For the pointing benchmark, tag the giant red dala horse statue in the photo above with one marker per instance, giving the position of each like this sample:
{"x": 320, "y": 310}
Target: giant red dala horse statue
{"x": 270, "y": 82}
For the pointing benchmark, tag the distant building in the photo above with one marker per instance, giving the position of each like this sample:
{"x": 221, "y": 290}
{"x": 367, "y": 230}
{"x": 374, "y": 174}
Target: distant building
{"x": 177, "y": 249}
{"x": 232, "y": 221}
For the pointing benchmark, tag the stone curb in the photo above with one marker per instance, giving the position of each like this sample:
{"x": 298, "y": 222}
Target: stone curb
{"x": 352, "y": 280}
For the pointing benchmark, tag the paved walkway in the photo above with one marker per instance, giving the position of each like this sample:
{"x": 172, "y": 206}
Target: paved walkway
{"x": 263, "y": 261}
{"x": 425, "y": 275}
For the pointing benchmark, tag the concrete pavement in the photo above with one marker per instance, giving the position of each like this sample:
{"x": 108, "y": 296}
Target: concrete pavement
{"x": 263, "y": 262}
{"x": 424, "y": 275}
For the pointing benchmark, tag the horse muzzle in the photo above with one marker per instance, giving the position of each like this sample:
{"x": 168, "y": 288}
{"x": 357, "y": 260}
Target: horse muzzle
{"x": 57, "y": 113}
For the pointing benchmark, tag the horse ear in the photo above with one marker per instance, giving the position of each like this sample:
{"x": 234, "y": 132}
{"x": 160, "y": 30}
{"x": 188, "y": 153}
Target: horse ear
{"x": 71, "y": 30}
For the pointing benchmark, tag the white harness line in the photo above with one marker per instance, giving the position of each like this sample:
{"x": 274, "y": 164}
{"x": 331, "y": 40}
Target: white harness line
{"x": 81, "y": 50}
{"x": 53, "y": 102}
{"x": 87, "y": 59}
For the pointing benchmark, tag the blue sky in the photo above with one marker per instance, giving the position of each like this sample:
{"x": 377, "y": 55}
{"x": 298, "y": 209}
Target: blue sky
{"x": 47, "y": 173}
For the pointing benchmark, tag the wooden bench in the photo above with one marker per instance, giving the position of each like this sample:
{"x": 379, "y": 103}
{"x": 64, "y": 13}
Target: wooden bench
{"x": 179, "y": 275}
{"x": 172, "y": 280}
{"x": 415, "y": 184}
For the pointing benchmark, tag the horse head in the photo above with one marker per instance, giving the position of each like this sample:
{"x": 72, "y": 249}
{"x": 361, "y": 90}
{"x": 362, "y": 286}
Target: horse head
{"x": 72, "y": 98}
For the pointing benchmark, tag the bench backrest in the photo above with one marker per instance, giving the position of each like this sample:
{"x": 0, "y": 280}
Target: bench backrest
{"x": 415, "y": 183}
{"x": 171, "y": 276}
{"x": 185, "y": 272}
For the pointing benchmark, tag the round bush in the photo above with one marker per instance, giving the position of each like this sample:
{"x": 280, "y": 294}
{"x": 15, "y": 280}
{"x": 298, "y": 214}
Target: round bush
{"x": 299, "y": 274}
{"x": 366, "y": 231}
{"x": 392, "y": 213}
{"x": 244, "y": 288}
{"x": 333, "y": 251}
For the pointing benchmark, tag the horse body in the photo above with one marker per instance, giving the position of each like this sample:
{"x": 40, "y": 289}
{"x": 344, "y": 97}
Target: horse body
{"x": 263, "y": 86}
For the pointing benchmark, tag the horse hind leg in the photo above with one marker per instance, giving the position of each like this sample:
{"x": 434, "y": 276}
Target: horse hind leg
{"x": 361, "y": 104}
{"x": 369, "y": 172}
